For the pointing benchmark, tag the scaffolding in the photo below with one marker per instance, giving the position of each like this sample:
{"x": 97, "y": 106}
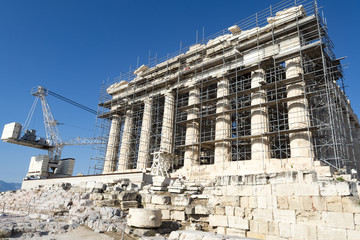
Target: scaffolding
{"x": 261, "y": 113}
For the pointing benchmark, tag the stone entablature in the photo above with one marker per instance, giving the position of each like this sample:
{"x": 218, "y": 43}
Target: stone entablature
{"x": 212, "y": 54}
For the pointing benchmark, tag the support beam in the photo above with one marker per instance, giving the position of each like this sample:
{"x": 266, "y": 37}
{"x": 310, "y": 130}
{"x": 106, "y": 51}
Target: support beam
{"x": 259, "y": 118}
{"x": 112, "y": 149}
{"x": 168, "y": 123}
{"x": 223, "y": 123}
{"x": 143, "y": 155}
{"x": 298, "y": 117}
{"x": 125, "y": 148}
{"x": 191, "y": 156}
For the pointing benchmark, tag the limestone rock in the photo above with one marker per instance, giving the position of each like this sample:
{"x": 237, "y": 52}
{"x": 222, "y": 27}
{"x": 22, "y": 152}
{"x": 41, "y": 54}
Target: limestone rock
{"x": 144, "y": 232}
{"x": 144, "y": 218}
{"x": 5, "y": 232}
{"x": 161, "y": 199}
{"x": 129, "y": 204}
{"x": 128, "y": 196}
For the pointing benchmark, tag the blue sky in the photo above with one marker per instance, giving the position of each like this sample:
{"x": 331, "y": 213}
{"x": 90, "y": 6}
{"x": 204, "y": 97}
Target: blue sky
{"x": 71, "y": 47}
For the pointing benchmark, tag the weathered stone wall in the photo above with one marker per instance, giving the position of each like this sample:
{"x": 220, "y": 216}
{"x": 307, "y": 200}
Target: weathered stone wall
{"x": 287, "y": 205}
{"x": 290, "y": 205}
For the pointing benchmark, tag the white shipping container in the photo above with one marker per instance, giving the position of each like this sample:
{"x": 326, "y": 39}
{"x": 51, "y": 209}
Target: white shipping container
{"x": 66, "y": 166}
{"x": 39, "y": 164}
{"x": 11, "y": 131}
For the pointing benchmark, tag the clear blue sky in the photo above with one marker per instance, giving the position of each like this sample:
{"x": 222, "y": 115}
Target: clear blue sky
{"x": 71, "y": 46}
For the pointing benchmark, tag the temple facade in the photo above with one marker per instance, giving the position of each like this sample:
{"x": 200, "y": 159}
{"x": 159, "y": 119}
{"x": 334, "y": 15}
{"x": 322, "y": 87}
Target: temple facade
{"x": 255, "y": 98}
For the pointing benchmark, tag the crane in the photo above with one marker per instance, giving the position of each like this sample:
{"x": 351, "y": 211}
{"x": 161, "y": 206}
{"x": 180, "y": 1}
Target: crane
{"x": 52, "y": 143}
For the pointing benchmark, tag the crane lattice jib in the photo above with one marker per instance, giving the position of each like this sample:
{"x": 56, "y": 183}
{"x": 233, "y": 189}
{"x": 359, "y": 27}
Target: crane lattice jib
{"x": 51, "y": 130}
{"x": 84, "y": 141}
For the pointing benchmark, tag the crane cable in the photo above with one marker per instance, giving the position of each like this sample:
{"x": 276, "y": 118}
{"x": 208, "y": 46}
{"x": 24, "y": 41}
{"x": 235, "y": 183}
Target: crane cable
{"x": 31, "y": 113}
{"x": 72, "y": 102}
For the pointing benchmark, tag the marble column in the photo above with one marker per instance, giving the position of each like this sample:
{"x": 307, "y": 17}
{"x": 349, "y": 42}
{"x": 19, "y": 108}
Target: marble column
{"x": 191, "y": 155}
{"x": 143, "y": 155}
{"x": 223, "y": 123}
{"x": 125, "y": 149}
{"x": 300, "y": 144}
{"x": 259, "y": 118}
{"x": 167, "y": 129}
{"x": 112, "y": 149}
{"x": 355, "y": 131}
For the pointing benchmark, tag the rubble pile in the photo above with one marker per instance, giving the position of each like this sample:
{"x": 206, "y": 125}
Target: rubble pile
{"x": 62, "y": 207}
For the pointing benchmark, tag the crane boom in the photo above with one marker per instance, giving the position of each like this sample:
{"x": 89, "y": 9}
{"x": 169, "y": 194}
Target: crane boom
{"x": 84, "y": 141}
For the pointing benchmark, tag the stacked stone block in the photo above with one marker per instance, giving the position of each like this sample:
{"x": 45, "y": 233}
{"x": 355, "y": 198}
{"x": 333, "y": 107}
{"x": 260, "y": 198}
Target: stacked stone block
{"x": 289, "y": 205}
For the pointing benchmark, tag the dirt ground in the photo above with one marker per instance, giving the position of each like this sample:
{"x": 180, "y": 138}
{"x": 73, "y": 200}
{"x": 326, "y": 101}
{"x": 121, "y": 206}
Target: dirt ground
{"x": 78, "y": 233}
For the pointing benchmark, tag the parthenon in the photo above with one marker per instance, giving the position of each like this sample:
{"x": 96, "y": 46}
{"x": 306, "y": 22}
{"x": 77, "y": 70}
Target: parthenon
{"x": 264, "y": 95}
{"x": 245, "y": 134}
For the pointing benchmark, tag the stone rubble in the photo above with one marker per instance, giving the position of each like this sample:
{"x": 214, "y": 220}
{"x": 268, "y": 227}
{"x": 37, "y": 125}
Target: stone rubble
{"x": 62, "y": 207}
{"x": 24, "y": 227}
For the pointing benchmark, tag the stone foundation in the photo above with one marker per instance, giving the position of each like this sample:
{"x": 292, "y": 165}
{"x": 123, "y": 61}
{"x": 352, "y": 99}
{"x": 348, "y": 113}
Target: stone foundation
{"x": 134, "y": 176}
{"x": 286, "y": 205}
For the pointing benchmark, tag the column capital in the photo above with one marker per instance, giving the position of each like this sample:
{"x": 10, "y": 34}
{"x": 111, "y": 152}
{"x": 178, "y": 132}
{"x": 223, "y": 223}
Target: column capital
{"x": 258, "y": 78}
{"x": 221, "y": 75}
{"x": 115, "y": 116}
{"x": 148, "y": 100}
{"x": 222, "y": 78}
{"x": 194, "y": 87}
{"x": 169, "y": 92}
{"x": 128, "y": 112}
{"x": 260, "y": 71}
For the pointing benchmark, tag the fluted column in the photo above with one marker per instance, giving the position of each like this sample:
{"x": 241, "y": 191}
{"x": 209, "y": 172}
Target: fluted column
{"x": 191, "y": 155}
{"x": 300, "y": 144}
{"x": 112, "y": 149}
{"x": 259, "y": 118}
{"x": 223, "y": 123}
{"x": 125, "y": 155}
{"x": 355, "y": 136}
{"x": 168, "y": 123}
{"x": 143, "y": 155}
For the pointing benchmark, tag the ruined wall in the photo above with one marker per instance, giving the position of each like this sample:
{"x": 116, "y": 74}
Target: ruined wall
{"x": 288, "y": 205}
